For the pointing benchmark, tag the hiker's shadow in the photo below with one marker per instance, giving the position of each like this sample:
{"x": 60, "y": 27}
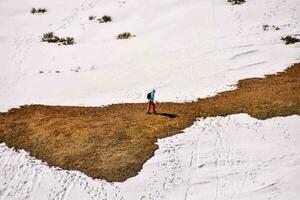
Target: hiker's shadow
{"x": 167, "y": 115}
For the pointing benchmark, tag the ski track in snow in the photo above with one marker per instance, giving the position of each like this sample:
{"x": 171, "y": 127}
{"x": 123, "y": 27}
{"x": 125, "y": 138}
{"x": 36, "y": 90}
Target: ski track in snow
{"x": 84, "y": 6}
{"x": 233, "y": 157}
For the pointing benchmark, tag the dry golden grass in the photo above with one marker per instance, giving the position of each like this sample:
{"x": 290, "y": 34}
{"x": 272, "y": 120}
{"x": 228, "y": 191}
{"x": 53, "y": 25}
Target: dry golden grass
{"x": 113, "y": 142}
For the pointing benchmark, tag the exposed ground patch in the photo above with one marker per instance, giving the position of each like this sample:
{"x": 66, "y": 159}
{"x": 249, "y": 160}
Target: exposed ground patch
{"x": 113, "y": 142}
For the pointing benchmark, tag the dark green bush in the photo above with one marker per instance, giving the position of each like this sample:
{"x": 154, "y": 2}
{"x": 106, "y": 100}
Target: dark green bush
{"x": 236, "y": 2}
{"x": 39, "y": 10}
{"x": 290, "y": 40}
{"x": 105, "y": 19}
{"x": 125, "y": 35}
{"x": 48, "y": 35}
{"x": 62, "y": 40}
{"x": 51, "y": 38}
{"x": 92, "y": 17}
{"x": 266, "y": 27}
{"x": 69, "y": 41}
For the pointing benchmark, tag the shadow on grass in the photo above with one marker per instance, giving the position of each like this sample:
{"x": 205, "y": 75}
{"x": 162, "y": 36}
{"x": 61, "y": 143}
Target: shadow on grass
{"x": 167, "y": 115}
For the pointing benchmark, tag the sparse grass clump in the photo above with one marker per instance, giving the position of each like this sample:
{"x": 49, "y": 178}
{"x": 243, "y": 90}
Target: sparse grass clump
{"x": 92, "y": 17}
{"x": 39, "y": 10}
{"x": 125, "y": 35}
{"x": 66, "y": 41}
{"x": 69, "y": 41}
{"x": 51, "y": 38}
{"x": 267, "y": 27}
{"x": 290, "y": 40}
{"x": 105, "y": 19}
{"x": 236, "y": 2}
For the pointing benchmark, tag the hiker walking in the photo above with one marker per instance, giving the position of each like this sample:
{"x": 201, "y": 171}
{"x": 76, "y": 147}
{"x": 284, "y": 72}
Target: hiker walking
{"x": 151, "y": 104}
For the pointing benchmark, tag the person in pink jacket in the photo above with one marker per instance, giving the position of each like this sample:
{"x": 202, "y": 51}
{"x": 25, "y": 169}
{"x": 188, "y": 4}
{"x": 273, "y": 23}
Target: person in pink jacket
{"x": 151, "y": 103}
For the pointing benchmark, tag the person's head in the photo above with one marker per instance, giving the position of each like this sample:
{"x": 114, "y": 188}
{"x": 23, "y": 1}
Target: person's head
{"x": 153, "y": 91}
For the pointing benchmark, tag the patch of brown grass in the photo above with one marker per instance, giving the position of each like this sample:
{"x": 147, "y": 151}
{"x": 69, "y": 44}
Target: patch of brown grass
{"x": 113, "y": 142}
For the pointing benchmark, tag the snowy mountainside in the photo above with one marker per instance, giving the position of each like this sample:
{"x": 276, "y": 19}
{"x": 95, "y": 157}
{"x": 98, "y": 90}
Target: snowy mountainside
{"x": 184, "y": 49}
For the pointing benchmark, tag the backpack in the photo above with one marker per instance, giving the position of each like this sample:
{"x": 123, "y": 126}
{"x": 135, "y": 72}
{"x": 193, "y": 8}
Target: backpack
{"x": 149, "y": 96}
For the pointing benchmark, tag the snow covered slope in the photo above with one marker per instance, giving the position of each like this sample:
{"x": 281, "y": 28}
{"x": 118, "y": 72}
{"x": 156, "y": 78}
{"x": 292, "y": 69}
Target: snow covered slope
{"x": 184, "y": 48}
{"x": 233, "y": 157}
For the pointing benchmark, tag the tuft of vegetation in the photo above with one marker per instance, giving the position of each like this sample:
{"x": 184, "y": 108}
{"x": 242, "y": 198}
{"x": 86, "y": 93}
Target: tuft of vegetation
{"x": 236, "y": 2}
{"x": 51, "y": 38}
{"x": 290, "y": 40}
{"x": 69, "y": 41}
{"x": 105, "y": 19}
{"x": 38, "y": 10}
{"x": 125, "y": 35}
{"x": 267, "y": 27}
{"x": 92, "y": 18}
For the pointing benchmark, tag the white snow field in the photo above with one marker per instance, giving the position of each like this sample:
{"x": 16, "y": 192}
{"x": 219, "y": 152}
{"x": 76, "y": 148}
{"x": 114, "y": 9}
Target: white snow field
{"x": 233, "y": 157}
{"x": 186, "y": 49}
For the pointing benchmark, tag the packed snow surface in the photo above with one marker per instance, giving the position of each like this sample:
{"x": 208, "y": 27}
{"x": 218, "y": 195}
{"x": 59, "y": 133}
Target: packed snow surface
{"x": 233, "y": 157}
{"x": 185, "y": 49}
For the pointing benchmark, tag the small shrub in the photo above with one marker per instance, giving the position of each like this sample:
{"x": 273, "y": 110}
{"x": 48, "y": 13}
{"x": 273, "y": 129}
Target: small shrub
{"x": 69, "y": 41}
{"x": 105, "y": 19}
{"x": 267, "y": 27}
{"x": 125, "y": 35}
{"x": 62, "y": 40}
{"x": 33, "y": 11}
{"x": 51, "y": 38}
{"x": 48, "y": 35}
{"x": 290, "y": 40}
{"x": 276, "y": 28}
{"x": 236, "y": 2}
{"x": 39, "y": 10}
{"x": 92, "y": 17}
{"x": 42, "y": 10}
{"x": 55, "y": 39}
